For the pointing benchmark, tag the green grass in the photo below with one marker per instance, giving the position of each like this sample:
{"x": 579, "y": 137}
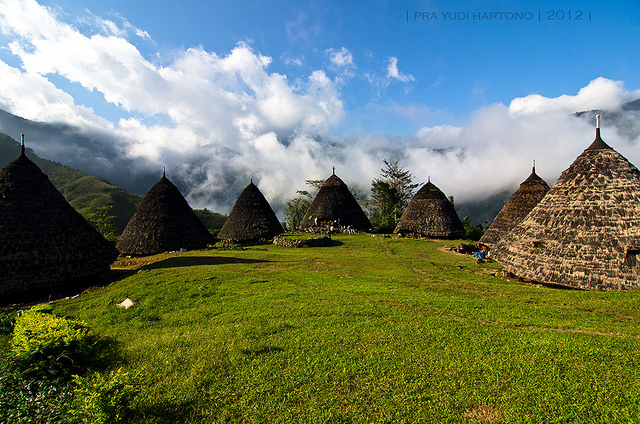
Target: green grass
{"x": 373, "y": 329}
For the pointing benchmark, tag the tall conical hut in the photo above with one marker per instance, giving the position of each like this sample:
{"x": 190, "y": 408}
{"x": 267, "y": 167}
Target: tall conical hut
{"x": 430, "y": 214}
{"x": 334, "y": 202}
{"x": 163, "y": 222}
{"x": 251, "y": 218}
{"x": 45, "y": 245}
{"x": 530, "y": 192}
{"x": 585, "y": 232}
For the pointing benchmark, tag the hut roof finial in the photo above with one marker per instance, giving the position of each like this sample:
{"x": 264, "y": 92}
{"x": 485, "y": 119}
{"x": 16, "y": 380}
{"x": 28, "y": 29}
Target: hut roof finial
{"x": 534, "y": 166}
{"x": 163, "y": 171}
{"x": 22, "y": 144}
{"x": 598, "y": 143}
{"x": 334, "y": 170}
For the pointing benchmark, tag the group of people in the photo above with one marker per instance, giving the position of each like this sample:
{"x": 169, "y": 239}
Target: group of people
{"x": 479, "y": 251}
{"x": 331, "y": 226}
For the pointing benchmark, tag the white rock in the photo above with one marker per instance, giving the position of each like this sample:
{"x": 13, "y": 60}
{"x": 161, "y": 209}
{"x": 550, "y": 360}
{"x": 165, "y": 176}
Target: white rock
{"x": 127, "y": 303}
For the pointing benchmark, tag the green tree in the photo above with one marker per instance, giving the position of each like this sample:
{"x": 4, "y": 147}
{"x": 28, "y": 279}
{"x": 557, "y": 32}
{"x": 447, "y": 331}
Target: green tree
{"x": 296, "y": 208}
{"x": 104, "y": 222}
{"x": 472, "y": 232}
{"x": 390, "y": 195}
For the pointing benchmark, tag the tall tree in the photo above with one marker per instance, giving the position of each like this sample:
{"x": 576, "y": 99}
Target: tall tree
{"x": 298, "y": 206}
{"x": 390, "y": 194}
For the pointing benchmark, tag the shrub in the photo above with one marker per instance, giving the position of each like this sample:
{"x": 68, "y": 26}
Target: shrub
{"x": 105, "y": 398}
{"x": 7, "y": 322}
{"x": 472, "y": 232}
{"x": 50, "y": 346}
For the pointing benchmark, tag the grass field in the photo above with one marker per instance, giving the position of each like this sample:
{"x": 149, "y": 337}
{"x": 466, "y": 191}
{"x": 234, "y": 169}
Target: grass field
{"x": 372, "y": 329}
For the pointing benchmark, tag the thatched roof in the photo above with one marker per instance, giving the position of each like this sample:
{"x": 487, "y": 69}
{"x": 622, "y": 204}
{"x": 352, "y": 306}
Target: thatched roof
{"x": 531, "y": 191}
{"x": 334, "y": 202}
{"x": 251, "y": 218}
{"x": 430, "y": 214}
{"x": 163, "y": 222}
{"x": 45, "y": 245}
{"x": 585, "y": 232}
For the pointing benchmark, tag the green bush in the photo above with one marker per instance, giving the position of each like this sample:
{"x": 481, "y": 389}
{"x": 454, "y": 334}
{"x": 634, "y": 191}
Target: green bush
{"x": 50, "y": 346}
{"x": 35, "y": 373}
{"x": 7, "y": 322}
{"x": 105, "y": 398}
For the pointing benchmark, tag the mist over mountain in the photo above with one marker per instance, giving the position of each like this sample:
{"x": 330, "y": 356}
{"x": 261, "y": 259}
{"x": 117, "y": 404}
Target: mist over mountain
{"x": 626, "y": 120}
{"x": 478, "y": 163}
{"x": 95, "y": 153}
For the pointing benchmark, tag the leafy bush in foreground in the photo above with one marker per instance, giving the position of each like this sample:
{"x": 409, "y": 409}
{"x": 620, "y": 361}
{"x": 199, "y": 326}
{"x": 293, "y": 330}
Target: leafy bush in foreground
{"x": 105, "y": 398}
{"x": 48, "y": 346}
{"x": 36, "y": 374}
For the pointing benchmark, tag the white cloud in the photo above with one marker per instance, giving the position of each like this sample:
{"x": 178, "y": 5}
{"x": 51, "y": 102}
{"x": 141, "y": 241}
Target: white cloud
{"x": 341, "y": 58}
{"x": 394, "y": 73}
{"x": 292, "y": 61}
{"x": 215, "y": 119}
{"x": 601, "y": 93}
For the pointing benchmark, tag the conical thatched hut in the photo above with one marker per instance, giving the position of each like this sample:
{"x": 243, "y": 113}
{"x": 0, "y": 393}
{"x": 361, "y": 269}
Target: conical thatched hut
{"x": 251, "y": 218}
{"x": 585, "y": 232}
{"x": 531, "y": 191}
{"x": 334, "y": 202}
{"x": 164, "y": 221}
{"x": 430, "y": 214}
{"x": 45, "y": 245}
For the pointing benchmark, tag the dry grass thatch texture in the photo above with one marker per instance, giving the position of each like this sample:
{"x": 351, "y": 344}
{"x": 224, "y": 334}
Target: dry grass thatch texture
{"x": 531, "y": 191}
{"x": 585, "y": 233}
{"x": 164, "y": 221}
{"x": 44, "y": 243}
{"x": 251, "y": 218}
{"x": 430, "y": 214}
{"x": 334, "y": 202}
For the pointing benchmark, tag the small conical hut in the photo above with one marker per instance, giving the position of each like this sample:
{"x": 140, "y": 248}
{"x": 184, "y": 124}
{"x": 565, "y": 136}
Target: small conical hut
{"x": 430, "y": 214}
{"x": 251, "y": 218}
{"x": 530, "y": 192}
{"x": 334, "y": 202}
{"x": 585, "y": 232}
{"x": 163, "y": 222}
{"x": 45, "y": 245}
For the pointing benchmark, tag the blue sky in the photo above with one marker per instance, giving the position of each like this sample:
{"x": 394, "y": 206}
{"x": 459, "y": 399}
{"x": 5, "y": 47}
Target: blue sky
{"x": 458, "y": 65}
{"x": 268, "y": 80}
